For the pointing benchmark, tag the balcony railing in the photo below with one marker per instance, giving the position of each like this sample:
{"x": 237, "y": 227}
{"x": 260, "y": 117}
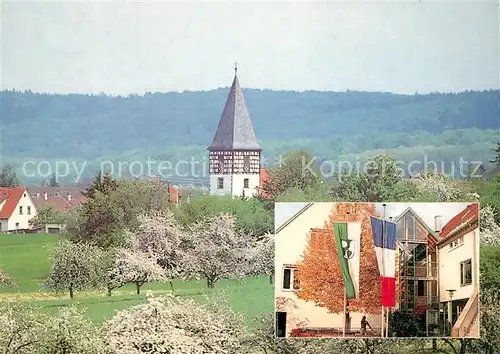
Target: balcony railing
{"x": 428, "y": 270}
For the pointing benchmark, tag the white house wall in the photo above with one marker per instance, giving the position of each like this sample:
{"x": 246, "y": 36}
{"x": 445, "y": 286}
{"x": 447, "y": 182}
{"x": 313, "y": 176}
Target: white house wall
{"x": 449, "y": 267}
{"x": 23, "y": 219}
{"x": 226, "y": 190}
{"x": 238, "y": 184}
{"x": 290, "y": 245}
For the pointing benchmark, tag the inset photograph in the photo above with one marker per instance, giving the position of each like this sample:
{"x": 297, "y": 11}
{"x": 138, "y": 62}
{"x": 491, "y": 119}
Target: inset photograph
{"x": 361, "y": 270}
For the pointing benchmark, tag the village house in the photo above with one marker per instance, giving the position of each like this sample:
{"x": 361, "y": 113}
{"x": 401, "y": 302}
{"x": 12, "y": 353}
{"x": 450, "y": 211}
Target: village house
{"x": 58, "y": 199}
{"x": 16, "y": 209}
{"x": 437, "y": 271}
{"x": 459, "y": 272}
{"x": 61, "y": 199}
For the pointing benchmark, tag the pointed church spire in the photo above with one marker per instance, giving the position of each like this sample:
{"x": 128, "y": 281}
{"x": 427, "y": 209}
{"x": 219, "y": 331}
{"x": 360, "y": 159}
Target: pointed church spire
{"x": 235, "y": 131}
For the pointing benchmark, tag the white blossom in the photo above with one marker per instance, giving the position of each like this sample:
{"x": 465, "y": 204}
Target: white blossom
{"x": 75, "y": 267}
{"x": 5, "y": 279}
{"x": 262, "y": 256}
{"x": 21, "y": 329}
{"x": 29, "y": 330}
{"x": 489, "y": 229}
{"x": 172, "y": 325}
{"x": 214, "y": 250}
{"x": 440, "y": 187}
{"x": 134, "y": 266}
{"x": 159, "y": 234}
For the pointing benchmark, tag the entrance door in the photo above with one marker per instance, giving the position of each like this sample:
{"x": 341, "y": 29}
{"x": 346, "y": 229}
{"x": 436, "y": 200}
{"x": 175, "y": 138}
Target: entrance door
{"x": 280, "y": 324}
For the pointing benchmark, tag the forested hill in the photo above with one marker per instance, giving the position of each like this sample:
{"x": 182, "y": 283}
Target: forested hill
{"x": 53, "y": 125}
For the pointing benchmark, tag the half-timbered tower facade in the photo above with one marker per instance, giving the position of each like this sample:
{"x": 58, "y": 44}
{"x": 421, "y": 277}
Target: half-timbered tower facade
{"x": 234, "y": 152}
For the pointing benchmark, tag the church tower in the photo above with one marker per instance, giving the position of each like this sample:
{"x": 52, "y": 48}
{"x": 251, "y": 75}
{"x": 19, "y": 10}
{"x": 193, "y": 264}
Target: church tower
{"x": 234, "y": 152}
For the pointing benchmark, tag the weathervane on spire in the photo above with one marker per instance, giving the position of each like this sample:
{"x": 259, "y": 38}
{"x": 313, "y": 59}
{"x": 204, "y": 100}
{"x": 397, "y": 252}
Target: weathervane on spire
{"x": 235, "y": 68}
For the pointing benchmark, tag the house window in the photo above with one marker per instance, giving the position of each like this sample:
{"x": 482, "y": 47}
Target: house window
{"x": 220, "y": 183}
{"x": 466, "y": 272}
{"x": 29, "y": 210}
{"x": 246, "y": 183}
{"x": 17, "y": 225}
{"x": 290, "y": 278}
{"x": 457, "y": 242}
{"x": 20, "y": 210}
{"x": 287, "y": 278}
{"x": 24, "y": 195}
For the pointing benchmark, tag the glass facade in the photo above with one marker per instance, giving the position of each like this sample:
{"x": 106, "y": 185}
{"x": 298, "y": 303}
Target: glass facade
{"x": 418, "y": 287}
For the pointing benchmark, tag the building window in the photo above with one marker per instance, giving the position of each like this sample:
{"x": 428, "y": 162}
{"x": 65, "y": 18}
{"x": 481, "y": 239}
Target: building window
{"x": 29, "y": 210}
{"x": 220, "y": 183}
{"x": 290, "y": 278}
{"x": 246, "y": 183}
{"x": 457, "y": 242}
{"x": 17, "y": 225}
{"x": 466, "y": 272}
{"x": 20, "y": 210}
{"x": 24, "y": 195}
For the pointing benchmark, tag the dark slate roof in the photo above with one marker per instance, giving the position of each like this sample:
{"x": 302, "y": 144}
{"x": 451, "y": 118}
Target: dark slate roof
{"x": 235, "y": 131}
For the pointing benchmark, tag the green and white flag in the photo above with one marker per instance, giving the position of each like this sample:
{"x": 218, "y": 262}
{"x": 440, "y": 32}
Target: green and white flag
{"x": 348, "y": 241}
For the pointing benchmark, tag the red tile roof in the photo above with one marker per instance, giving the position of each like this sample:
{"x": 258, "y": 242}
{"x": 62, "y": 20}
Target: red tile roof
{"x": 75, "y": 192}
{"x": 58, "y": 203}
{"x": 11, "y": 196}
{"x": 264, "y": 177}
{"x": 467, "y": 216}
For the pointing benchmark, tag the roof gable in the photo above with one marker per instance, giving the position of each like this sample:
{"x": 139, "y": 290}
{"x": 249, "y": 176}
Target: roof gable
{"x": 417, "y": 217}
{"x": 11, "y": 197}
{"x": 235, "y": 131}
{"x": 295, "y": 216}
{"x": 468, "y": 216}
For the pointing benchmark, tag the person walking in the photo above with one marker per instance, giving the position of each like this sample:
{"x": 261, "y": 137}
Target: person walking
{"x": 364, "y": 323}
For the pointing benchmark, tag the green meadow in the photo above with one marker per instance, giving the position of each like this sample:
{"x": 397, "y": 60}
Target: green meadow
{"x": 26, "y": 257}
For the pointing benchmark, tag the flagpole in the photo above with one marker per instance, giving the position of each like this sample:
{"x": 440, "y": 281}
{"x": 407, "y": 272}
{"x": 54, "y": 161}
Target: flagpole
{"x": 387, "y": 323}
{"x": 345, "y": 311}
{"x": 383, "y": 268}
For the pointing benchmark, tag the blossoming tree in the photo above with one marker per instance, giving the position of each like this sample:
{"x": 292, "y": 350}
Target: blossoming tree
{"x": 75, "y": 267}
{"x": 214, "y": 250}
{"x": 261, "y": 255}
{"x": 172, "y": 325}
{"x": 137, "y": 267}
{"x": 159, "y": 234}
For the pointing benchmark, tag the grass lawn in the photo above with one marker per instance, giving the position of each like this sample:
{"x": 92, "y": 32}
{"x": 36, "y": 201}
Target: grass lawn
{"x": 26, "y": 258}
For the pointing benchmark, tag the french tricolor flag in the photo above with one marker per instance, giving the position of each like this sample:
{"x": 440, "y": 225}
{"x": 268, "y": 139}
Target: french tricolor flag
{"x": 384, "y": 237}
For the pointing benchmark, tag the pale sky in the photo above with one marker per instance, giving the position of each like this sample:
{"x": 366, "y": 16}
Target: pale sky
{"x": 134, "y": 47}
{"x": 284, "y": 211}
{"x": 427, "y": 211}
